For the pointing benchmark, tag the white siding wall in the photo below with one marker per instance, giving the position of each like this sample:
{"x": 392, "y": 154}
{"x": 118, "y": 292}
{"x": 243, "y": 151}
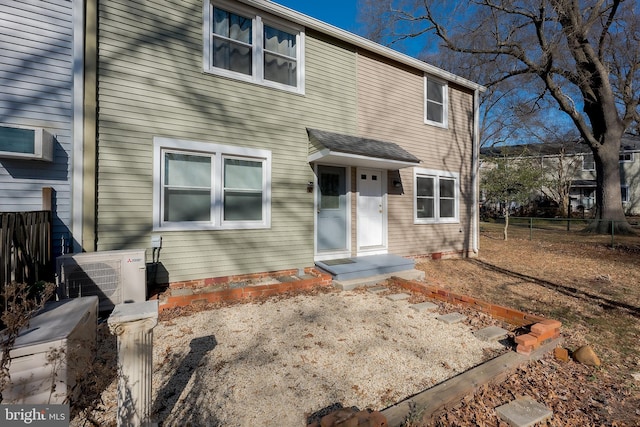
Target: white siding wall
{"x": 36, "y": 89}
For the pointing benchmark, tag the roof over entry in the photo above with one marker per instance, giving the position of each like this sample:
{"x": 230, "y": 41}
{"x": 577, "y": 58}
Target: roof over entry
{"x": 340, "y": 149}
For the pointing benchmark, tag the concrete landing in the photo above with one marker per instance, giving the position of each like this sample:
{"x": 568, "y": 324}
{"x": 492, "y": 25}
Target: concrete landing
{"x": 523, "y": 412}
{"x": 365, "y": 266}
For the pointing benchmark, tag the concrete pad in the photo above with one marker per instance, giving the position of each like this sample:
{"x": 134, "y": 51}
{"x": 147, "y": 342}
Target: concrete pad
{"x": 452, "y": 318}
{"x": 377, "y": 289}
{"x": 398, "y": 297}
{"x": 523, "y": 412}
{"x": 424, "y": 306}
{"x": 491, "y": 333}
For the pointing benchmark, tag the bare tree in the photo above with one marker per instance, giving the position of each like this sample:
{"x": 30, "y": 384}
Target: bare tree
{"x": 581, "y": 55}
{"x": 560, "y": 170}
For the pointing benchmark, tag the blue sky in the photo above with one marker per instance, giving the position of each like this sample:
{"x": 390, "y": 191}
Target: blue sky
{"x": 341, "y": 13}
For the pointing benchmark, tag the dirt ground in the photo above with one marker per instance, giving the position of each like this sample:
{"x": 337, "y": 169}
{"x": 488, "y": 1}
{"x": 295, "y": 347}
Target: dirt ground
{"x": 593, "y": 289}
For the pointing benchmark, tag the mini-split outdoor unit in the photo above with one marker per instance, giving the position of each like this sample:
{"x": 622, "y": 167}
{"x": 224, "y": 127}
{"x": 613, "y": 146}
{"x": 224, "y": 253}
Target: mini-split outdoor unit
{"x": 114, "y": 276}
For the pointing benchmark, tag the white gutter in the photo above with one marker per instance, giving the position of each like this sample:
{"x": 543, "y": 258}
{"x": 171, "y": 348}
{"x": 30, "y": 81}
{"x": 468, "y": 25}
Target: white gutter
{"x": 323, "y": 27}
{"x": 77, "y": 125}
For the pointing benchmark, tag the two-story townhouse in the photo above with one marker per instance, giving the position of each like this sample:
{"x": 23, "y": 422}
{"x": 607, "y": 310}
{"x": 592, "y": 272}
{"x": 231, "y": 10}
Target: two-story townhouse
{"x": 41, "y": 112}
{"x": 575, "y": 161}
{"x": 251, "y": 138}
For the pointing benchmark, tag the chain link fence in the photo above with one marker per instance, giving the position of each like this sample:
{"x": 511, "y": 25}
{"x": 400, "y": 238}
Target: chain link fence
{"x": 561, "y": 230}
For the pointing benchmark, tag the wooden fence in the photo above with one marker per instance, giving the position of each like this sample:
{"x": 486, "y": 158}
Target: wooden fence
{"x": 25, "y": 247}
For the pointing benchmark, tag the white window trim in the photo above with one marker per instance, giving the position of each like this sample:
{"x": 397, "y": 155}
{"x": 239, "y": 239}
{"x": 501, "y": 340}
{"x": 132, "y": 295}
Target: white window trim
{"x": 217, "y": 152}
{"x": 584, "y": 156}
{"x": 436, "y": 174}
{"x": 259, "y": 19}
{"x": 626, "y": 187}
{"x": 445, "y": 102}
{"x": 631, "y": 156}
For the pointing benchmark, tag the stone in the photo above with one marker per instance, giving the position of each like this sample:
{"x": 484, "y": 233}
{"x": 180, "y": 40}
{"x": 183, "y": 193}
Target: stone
{"x": 452, "y": 318}
{"x": 377, "y": 289}
{"x": 636, "y": 376}
{"x": 523, "y": 412}
{"x": 424, "y": 306}
{"x": 586, "y": 356}
{"x": 491, "y": 333}
{"x": 561, "y": 354}
{"x": 350, "y": 417}
{"x": 398, "y": 297}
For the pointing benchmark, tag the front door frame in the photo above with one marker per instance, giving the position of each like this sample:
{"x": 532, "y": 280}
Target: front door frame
{"x": 327, "y": 255}
{"x": 383, "y": 247}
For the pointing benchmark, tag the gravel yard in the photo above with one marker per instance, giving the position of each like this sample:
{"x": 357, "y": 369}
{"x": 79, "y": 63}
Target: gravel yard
{"x": 274, "y": 362}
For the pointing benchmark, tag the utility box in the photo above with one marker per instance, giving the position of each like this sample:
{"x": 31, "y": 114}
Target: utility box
{"x": 53, "y": 353}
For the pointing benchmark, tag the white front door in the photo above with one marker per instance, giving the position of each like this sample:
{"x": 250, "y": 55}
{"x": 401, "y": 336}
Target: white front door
{"x": 372, "y": 231}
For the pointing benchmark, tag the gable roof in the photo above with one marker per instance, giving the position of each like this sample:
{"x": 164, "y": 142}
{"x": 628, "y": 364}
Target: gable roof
{"x": 361, "y": 42}
{"x": 357, "y": 151}
{"x": 629, "y": 143}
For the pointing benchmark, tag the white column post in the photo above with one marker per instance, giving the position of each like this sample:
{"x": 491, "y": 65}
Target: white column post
{"x": 133, "y": 325}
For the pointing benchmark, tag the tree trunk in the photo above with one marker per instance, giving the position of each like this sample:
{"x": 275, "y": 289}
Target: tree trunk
{"x": 506, "y": 221}
{"x": 608, "y": 194}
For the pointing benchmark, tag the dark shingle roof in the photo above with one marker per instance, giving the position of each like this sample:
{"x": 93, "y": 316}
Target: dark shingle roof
{"x": 629, "y": 143}
{"x": 361, "y": 146}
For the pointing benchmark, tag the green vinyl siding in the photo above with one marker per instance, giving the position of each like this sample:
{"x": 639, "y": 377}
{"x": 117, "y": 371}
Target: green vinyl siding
{"x": 151, "y": 84}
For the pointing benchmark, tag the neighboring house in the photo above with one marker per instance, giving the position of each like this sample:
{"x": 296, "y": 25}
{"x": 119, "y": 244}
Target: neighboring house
{"x": 252, "y": 138}
{"x": 578, "y": 163}
{"x": 41, "y": 99}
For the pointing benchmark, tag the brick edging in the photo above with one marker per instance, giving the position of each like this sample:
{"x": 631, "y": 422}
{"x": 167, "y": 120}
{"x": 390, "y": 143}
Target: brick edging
{"x": 542, "y": 330}
{"x": 198, "y": 291}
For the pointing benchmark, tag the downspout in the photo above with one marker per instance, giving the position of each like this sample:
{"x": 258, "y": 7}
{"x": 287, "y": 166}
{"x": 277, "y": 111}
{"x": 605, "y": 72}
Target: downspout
{"x": 78, "y": 125}
{"x": 475, "y": 227}
{"x": 89, "y": 209}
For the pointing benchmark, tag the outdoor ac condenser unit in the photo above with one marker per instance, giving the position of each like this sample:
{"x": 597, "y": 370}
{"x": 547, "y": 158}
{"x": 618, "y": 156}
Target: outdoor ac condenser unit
{"x": 114, "y": 276}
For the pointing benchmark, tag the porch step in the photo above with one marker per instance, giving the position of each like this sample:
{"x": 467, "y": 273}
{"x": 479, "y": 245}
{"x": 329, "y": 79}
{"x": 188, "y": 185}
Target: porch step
{"x": 347, "y": 285}
{"x": 365, "y": 266}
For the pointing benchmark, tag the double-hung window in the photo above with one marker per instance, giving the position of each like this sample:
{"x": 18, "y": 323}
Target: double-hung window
{"x": 588, "y": 164}
{"x": 436, "y": 196}
{"x": 436, "y": 102}
{"x": 241, "y": 43}
{"x": 200, "y": 185}
{"x": 626, "y": 157}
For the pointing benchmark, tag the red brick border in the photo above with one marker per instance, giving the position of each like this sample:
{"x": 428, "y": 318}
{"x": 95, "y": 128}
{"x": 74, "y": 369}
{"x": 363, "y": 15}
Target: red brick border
{"x": 198, "y": 291}
{"x": 542, "y": 330}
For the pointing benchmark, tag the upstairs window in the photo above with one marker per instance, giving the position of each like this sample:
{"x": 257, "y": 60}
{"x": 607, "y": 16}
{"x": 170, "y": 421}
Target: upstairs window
{"x": 626, "y": 157}
{"x": 436, "y": 100}
{"x": 242, "y": 44}
{"x": 588, "y": 164}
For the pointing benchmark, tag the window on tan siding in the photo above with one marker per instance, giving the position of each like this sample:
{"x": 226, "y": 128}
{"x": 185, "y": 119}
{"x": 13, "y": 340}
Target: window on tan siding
{"x": 436, "y": 196}
{"x": 436, "y": 102}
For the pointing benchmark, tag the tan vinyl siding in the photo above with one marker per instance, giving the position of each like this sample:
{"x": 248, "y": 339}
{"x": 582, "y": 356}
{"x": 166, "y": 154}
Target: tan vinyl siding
{"x": 151, "y": 84}
{"x": 391, "y": 108}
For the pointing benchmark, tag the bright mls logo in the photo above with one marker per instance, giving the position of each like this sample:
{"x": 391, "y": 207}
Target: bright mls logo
{"x": 35, "y": 415}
